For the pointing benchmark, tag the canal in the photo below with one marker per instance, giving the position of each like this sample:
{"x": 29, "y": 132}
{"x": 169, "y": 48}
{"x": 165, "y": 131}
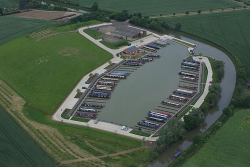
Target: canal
{"x": 145, "y": 88}
{"x": 227, "y": 84}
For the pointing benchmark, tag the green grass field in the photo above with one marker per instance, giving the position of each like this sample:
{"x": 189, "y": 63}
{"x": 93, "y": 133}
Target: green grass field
{"x": 157, "y": 7}
{"x": 115, "y": 45}
{"x": 229, "y": 147}
{"x": 17, "y": 148}
{"x": 93, "y": 33}
{"x": 229, "y": 30}
{"x": 46, "y": 71}
{"x": 8, "y": 3}
{"x": 14, "y": 27}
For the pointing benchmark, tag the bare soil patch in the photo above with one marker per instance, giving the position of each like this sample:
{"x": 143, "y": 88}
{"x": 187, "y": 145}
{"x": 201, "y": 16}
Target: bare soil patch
{"x": 43, "y": 15}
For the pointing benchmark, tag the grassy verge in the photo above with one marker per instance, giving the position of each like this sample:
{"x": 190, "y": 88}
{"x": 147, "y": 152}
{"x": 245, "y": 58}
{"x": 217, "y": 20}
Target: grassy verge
{"x": 93, "y": 33}
{"x": 115, "y": 45}
{"x": 80, "y": 119}
{"x": 65, "y": 116}
{"x": 140, "y": 133}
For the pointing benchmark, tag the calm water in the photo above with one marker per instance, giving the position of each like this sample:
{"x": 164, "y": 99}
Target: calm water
{"x": 227, "y": 84}
{"x": 145, "y": 88}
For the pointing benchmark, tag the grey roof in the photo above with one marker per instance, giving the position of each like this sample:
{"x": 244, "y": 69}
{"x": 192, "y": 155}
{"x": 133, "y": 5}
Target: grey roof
{"x": 127, "y": 31}
{"x": 132, "y": 49}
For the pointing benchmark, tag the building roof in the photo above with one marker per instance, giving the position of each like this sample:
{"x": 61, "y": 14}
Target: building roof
{"x": 127, "y": 31}
{"x": 132, "y": 49}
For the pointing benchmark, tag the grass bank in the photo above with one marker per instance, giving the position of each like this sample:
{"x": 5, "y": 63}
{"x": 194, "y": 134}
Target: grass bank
{"x": 93, "y": 33}
{"x": 115, "y": 45}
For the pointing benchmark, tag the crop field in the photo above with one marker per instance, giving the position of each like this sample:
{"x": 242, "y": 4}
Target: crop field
{"x": 46, "y": 71}
{"x": 17, "y": 148}
{"x": 230, "y": 145}
{"x": 157, "y": 7}
{"x": 8, "y": 3}
{"x": 229, "y": 30}
{"x": 14, "y": 27}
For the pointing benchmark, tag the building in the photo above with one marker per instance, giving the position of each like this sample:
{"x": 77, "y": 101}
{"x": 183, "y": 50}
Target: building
{"x": 131, "y": 50}
{"x": 128, "y": 33}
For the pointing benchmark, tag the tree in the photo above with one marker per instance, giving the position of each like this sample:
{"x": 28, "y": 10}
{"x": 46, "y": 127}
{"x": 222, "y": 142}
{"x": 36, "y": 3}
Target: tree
{"x": 199, "y": 12}
{"x": 197, "y": 139}
{"x": 1, "y": 11}
{"x": 22, "y": 4}
{"x": 125, "y": 12}
{"x": 187, "y": 12}
{"x": 227, "y": 111}
{"x": 139, "y": 15}
{"x": 94, "y": 7}
{"x": 196, "y": 112}
{"x": 177, "y": 27}
{"x": 174, "y": 14}
{"x": 190, "y": 122}
{"x": 215, "y": 88}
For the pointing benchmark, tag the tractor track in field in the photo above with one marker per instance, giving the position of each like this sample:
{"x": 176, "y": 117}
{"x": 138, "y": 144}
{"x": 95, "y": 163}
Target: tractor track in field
{"x": 102, "y": 156}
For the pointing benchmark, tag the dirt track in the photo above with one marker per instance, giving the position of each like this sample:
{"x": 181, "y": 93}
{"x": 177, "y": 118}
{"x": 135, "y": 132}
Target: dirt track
{"x": 43, "y": 15}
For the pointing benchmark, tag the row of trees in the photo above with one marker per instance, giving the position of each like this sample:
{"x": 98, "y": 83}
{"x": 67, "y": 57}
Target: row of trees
{"x": 219, "y": 69}
{"x": 102, "y": 16}
{"x": 33, "y": 4}
{"x": 153, "y": 24}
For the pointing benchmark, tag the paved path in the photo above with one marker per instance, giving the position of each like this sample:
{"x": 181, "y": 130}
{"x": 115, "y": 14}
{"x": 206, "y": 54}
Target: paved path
{"x": 102, "y": 156}
{"x": 209, "y": 79}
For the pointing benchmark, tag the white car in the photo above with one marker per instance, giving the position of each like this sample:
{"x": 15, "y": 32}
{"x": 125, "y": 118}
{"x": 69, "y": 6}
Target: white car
{"x": 124, "y": 128}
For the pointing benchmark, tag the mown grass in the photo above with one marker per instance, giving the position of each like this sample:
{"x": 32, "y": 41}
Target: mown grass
{"x": 14, "y": 27}
{"x": 115, "y": 45}
{"x": 140, "y": 133}
{"x": 93, "y": 33}
{"x": 80, "y": 119}
{"x": 46, "y": 71}
{"x": 157, "y": 7}
{"x": 229, "y": 30}
{"x": 229, "y": 146}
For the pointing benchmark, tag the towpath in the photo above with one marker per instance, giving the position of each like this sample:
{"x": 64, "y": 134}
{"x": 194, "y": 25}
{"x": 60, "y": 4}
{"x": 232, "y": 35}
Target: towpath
{"x": 209, "y": 79}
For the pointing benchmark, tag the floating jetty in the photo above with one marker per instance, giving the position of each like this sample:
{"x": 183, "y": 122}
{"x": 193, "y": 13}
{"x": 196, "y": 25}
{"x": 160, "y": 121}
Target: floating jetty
{"x": 188, "y": 74}
{"x": 171, "y": 104}
{"x": 148, "y": 49}
{"x": 188, "y": 86}
{"x": 178, "y": 98}
{"x": 86, "y": 115}
{"x": 136, "y": 61}
{"x": 93, "y": 105}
